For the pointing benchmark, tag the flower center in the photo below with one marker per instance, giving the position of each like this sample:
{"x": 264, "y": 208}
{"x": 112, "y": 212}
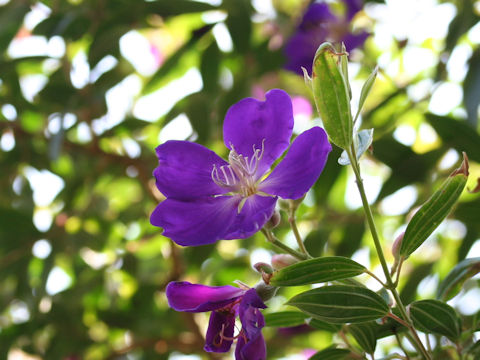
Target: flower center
{"x": 239, "y": 174}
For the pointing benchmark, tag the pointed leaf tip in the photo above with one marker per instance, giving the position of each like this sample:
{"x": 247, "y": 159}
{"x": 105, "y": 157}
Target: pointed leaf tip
{"x": 435, "y": 210}
{"x": 463, "y": 169}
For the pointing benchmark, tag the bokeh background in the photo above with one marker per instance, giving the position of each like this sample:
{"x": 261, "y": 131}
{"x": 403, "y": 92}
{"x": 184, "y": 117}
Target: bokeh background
{"x": 89, "y": 88}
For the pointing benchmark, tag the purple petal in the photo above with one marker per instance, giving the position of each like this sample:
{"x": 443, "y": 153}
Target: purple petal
{"x": 353, "y": 41}
{"x": 301, "y": 167}
{"x": 185, "y": 296}
{"x": 251, "y": 122}
{"x": 256, "y": 211}
{"x": 220, "y": 329}
{"x": 253, "y": 349}
{"x": 315, "y": 14}
{"x": 196, "y": 222}
{"x": 251, "y": 318}
{"x": 353, "y": 6}
{"x": 184, "y": 170}
{"x": 300, "y": 51}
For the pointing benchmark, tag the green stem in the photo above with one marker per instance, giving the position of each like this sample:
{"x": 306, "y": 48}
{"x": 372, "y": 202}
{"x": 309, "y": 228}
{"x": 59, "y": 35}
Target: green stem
{"x": 298, "y": 237}
{"x": 376, "y": 239}
{"x": 399, "y": 342}
{"x": 271, "y": 238}
{"x": 375, "y": 277}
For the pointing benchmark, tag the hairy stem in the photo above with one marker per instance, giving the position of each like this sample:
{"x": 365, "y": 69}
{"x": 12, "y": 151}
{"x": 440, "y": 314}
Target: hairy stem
{"x": 271, "y": 238}
{"x": 293, "y": 224}
{"x": 378, "y": 247}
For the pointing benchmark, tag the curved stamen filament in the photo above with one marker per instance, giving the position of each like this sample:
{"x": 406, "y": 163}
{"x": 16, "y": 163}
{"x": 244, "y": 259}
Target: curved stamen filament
{"x": 240, "y": 171}
{"x": 221, "y": 337}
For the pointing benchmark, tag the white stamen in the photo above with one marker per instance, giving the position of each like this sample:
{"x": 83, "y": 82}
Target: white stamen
{"x": 241, "y": 171}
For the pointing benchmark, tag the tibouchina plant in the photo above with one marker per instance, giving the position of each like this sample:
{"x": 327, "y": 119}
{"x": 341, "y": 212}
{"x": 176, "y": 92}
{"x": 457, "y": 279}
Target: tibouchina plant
{"x": 209, "y": 199}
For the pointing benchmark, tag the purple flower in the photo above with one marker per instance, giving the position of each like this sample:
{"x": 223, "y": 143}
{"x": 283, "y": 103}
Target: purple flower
{"x": 209, "y": 199}
{"x": 225, "y": 303}
{"x": 318, "y": 25}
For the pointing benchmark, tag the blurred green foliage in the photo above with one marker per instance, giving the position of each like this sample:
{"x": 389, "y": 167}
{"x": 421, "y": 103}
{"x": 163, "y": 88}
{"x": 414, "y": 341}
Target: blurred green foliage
{"x": 82, "y": 271}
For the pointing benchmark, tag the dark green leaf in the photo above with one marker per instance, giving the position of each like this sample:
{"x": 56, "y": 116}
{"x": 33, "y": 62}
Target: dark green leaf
{"x": 452, "y": 284}
{"x": 11, "y": 19}
{"x": 367, "y": 86}
{"x": 316, "y": 271}
{"x": 330, "y": 92}
{"x": 332, "y": 354}
{"x": 419, "y": 272}
{"x": 365, "y": 334}
{"x": 238, "y": 23}
{"x": 407, "y": 166}
{"x": 210, "y": 67}
{"x": 432, "y": 213}
{"x": 341, "y": 304}
{"x": 322, "y": 325}
{"x": 471, "y": 88}
{"x": 433, "y": 316}
{"x": 457, "y": 134}
{"x": 167, "y": 8}
{"x": 285, "y": 318}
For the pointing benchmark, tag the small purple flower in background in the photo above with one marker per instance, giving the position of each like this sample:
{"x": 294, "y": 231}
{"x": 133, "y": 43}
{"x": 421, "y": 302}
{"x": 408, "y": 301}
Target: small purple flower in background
{"x": 318, "y": 25}
{"x": 210, "y": 199}
{"x": 225, "y": 303}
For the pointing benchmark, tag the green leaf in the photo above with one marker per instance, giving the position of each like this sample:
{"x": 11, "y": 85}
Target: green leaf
{"x": 331, "y": 354}
{"x": 367, "y": 86}
{"x": 434, "y": 316}
{"x": 322, "y": 325}
{"x": 239, "y": 23}
{"x": 365, "y": 334}
{"x": 344, "y": 68}
{"x": 285, "y": 319}
{"x": 432, "y": 213}
{"x": 330, "y": 92}
{"x": 471, "y": 88}
{"x": 11, "y": 18}
{"x": 452, "y": 284}
{"x": 363, "y": 140}
{"x": 167, "y": 8}
{"x": 341, "y": 304}
{"x": 457, "y": 134}
{"x": 317, "y": 270}
{"x": 210, "y": 67}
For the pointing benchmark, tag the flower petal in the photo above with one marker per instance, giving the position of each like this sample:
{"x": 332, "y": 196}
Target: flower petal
{"x": 256, "y": 211}
{"x": 250, "y": 122}
{"x": 301, "y": 167}
{"x": 316, "y": 14}
{"x": 185, "y": 168}
{"x": 253, "y": 349}
{"x": 300, "y": 50}
{"x": 220, "y": 330}
{"x": 353, "y": 41}
{"x": 185, "y": 296}
{"x": 251, "y": 344}
{"x": 251, "y": 318}
{"x": 196, "y": 222}
{"x": 353, "y": 6}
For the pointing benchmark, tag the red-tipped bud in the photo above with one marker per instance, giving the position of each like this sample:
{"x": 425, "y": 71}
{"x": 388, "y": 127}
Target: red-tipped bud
{"x": 274, "y": 221}
{"x": 280, "y": 261}
{"x": 397, "y": 244}
{"x": 265, "y": 269}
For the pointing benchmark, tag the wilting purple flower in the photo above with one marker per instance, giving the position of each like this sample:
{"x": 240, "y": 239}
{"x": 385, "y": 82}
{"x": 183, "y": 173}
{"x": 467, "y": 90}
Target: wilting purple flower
{"x": 318, "y": 25}
{"x": 209, "y": 199}
{"x": 225, "y": 303}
